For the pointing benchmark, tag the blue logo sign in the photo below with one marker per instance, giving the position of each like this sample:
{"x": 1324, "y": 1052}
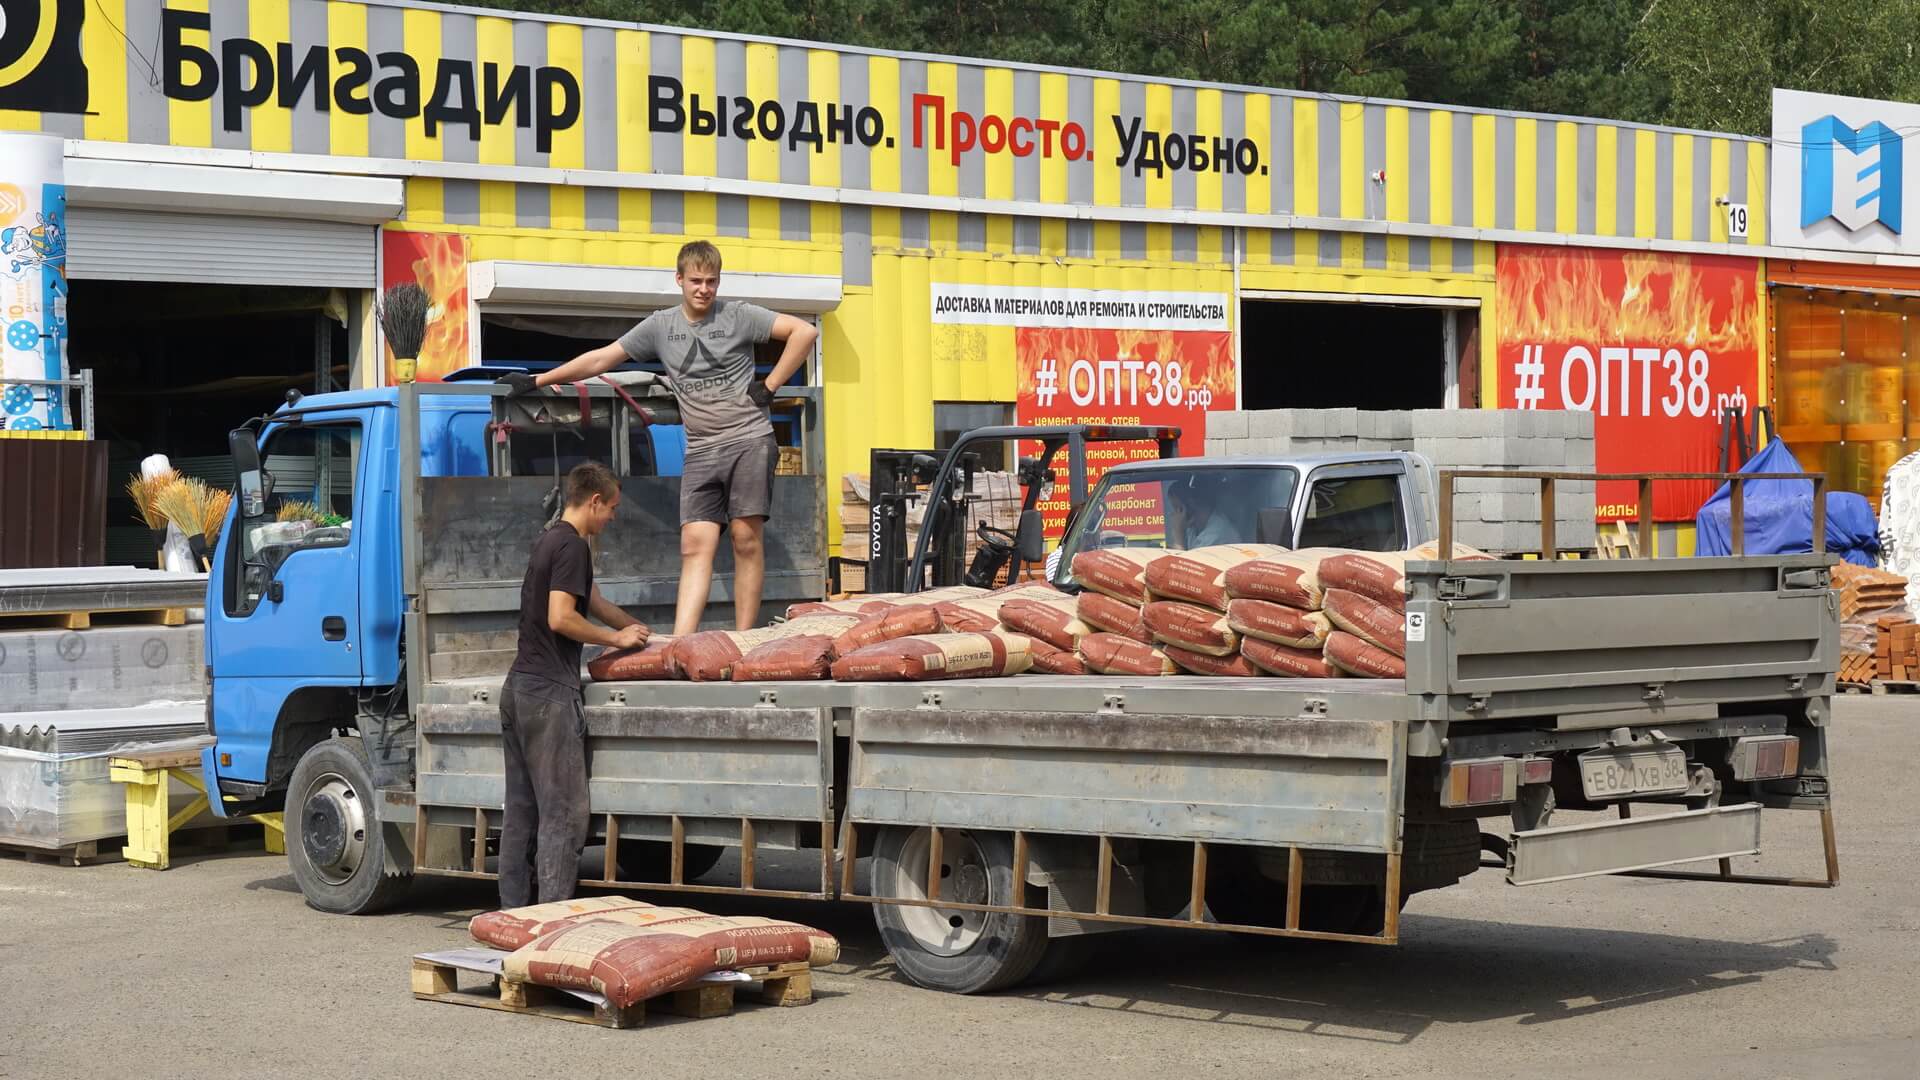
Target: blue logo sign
{"x": 1857, "y": 187}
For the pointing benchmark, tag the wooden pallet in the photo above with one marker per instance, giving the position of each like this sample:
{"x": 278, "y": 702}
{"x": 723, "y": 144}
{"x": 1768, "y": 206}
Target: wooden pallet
{"x": 434, "y": 980}
{"x": 84, "y": 620}
{"x": 84, "y": 853}
{"x": 209, "y": 839}
{"x": 1854, "y": 687}
{"x": 1895, "y": 686}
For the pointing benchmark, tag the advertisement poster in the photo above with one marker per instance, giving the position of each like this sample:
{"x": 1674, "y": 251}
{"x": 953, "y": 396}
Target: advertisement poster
{"x": 33, "y": 281}
{"x": 1656, "y": 346}
{"x": 437, "y": 262}
{"x": 1099, "y": 356}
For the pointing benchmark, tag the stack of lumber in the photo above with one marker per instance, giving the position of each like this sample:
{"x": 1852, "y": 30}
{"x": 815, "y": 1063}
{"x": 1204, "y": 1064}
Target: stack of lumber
{"x": 1863, "y": 589}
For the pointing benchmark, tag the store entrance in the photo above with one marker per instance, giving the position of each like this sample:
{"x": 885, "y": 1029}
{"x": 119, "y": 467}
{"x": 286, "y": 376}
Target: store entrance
{"x": 1307, "y": 354}
{"x": 176, "y": 367}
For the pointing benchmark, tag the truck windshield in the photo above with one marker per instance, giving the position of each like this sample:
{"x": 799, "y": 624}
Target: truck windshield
{"x": 1184, "y": 508}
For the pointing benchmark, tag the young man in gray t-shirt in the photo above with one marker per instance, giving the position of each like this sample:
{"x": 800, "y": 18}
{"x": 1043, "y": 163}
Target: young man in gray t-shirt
{"x": 706, "y": 345}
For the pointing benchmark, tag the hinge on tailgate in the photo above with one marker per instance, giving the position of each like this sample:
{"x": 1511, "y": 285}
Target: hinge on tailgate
{"x": 769, "y": 698}
{"x": 1478, "y": 703}
{"x": 1115, "y": 703}
{"x": 479, "y": 696}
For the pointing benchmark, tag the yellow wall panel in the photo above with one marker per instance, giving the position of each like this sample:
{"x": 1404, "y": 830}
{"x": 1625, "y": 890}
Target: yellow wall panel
{"x": 1259, "y": 127}
{"x": 420, "y": 30}
{"x": 190, "y": 123}
{"x": 1526, "y": 173}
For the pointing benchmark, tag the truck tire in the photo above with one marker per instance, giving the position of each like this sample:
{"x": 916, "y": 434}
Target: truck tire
{"x": 961, "y": 952}
{"x": 335, "y": 844}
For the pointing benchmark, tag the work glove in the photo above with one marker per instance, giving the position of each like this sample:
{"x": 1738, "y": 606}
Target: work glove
{"x": 516, "y": 382}
{"x": 759, "y": 394}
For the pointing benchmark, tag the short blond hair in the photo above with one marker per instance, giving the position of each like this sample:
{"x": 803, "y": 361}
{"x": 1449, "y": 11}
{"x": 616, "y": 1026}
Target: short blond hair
{"x": 700, "y": 255}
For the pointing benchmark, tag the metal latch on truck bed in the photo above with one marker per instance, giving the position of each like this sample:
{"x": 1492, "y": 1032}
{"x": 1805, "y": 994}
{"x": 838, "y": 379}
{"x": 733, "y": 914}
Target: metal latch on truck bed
{"x": 1465, "y": 588}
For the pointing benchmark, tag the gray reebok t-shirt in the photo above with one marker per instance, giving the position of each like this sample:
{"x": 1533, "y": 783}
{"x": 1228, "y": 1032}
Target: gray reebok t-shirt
{"x": 710, "y": 366}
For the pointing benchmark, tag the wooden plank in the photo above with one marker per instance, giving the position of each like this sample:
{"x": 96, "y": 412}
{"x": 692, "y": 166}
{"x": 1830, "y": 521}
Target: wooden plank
{"x": 677, "y": 869}
{"x": 1019, "y": 868}
{"x": 1549, "y": 550}
{"x": 1296, "y": 872}
{"x": 610, "y": 867}
{"x": 432, "y": 978}
{"x": 746, "y": 853}
{"x": 701, "y": 1002}
{"x": 479, "y": 838}
{"x": 1197, "y": 896}
{"x": 933, "y": 865}
{"x": 1737, "y": 511}
{"x": 1103, "y": 881}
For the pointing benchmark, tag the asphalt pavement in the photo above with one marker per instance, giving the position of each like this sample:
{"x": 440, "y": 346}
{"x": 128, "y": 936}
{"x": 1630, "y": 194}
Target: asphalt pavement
{"x": 216, "y": 968}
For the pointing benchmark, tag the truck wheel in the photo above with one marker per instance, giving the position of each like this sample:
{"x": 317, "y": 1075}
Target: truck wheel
{"x": 335, "y": 844}
{"x": 651, "y": 861}
{"x": 962, "y": 952}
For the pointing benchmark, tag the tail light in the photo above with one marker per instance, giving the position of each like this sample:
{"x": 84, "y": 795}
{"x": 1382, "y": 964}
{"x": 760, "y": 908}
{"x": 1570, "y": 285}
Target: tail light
{"x": 1765, "y": 757}
{"x": 1480, "y": 782}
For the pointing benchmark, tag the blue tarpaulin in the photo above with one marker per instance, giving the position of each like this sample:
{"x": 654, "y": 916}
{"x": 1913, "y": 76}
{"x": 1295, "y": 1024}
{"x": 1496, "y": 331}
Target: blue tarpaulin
{"x": 1779, "y": 515}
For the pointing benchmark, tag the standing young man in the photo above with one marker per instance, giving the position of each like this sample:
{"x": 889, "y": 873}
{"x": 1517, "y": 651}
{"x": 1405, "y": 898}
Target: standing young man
{"x": 543, "y": 722}
{"x": 707, "y": 345}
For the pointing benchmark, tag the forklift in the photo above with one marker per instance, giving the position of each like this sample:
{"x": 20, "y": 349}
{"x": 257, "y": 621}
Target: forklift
{"x": 940, "y": 482}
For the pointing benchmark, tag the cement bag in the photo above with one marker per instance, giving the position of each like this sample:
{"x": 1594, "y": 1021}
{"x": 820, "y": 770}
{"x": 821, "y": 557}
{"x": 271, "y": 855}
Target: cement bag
{"x": 1048, "y": 660}
{"x": 853, "y": 605}
{"x": 515, "y": 927}
{"x": 794, "y": 659}
{"x": 904, "y": 620}
{"x": 981, "y": 614}
{"x": 1052, "y": 619}
{"x": 626, "y": 964}
{"x": 936, "y": 656}
{"x": 1287, "y": 661}
{"x": 1111, "y": 654}
{"x": 1191, "y": 627}
{"x": 1202, "y": 664}
{"x": 708, "y": 656}
{"x": 1198, "y": 575}
{"x": 1374, "y": 623}
{"x": 1382, "y": 575}
{"x": 1119, "y": 572}
{"x": 1104, "y": 614}
{"x": 1278, "y": 623}
{"x": 1288, "y": 577}
{"x": 1355, "y": 657}
{"x": 654, "y": 660}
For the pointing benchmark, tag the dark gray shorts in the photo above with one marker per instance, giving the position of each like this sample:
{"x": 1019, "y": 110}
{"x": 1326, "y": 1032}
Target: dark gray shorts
{"x": 734, "y": 480}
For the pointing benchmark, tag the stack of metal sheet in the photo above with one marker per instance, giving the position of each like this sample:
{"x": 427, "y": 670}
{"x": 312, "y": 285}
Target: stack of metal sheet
{"x": 54, "y": 788}
{"x": 107, "y": 667}
{"x": 98, "y": 588}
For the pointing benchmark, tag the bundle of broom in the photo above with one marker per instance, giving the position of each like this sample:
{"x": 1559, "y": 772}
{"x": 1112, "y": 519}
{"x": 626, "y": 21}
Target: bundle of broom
{"x": 403, "y": 313}
{"x": 197, "y": 510}
{"x": 145, "y": 492}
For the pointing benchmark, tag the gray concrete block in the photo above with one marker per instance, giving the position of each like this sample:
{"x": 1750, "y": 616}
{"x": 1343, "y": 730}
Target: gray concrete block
{"x": 1342, "y": 421}
{"x": 1581, "y": 422}
{"x": 1215, "y": 448}
{"x": 1398, "y": 425}
{"x": 1270, "y": 422}
{"x": 1227, "y": 425}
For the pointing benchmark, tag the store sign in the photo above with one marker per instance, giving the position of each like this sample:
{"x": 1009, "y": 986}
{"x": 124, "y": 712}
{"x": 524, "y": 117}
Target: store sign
{"x": 1101, "y": 356}
{"x": 40, "y": 64}
{"x": 1656, "y": 346}
{"x": 33, "y": 280}
{"x": 1841, "y": 175}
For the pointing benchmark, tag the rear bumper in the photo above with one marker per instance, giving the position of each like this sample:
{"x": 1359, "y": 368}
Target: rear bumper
{"x": 1563, "y": 853}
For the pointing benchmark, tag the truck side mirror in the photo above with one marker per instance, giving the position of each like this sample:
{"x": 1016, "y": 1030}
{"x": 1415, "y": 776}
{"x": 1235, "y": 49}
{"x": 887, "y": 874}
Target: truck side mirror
{"x": 1030, "y": 542}
{"x": 244, "y": 447}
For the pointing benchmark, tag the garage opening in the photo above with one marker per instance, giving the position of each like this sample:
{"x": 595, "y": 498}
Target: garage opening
{"x": 176, "y": 367}
{"x": 1306, "y": 354}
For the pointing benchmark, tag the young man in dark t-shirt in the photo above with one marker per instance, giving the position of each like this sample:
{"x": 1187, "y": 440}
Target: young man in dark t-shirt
{"x": 543, "y": 724}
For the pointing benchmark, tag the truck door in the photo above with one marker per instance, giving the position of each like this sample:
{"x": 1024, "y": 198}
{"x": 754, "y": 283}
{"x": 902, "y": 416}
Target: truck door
{"x": 1362, "y": 507}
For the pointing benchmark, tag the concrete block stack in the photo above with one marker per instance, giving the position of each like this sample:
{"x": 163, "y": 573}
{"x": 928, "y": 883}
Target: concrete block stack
{"x": 1493, "y": 515}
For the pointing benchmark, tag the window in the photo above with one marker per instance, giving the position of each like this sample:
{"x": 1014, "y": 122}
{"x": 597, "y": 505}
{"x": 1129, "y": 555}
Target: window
{"x": 952, "y": 419}
{"x": 311, "y": 473}
{"x": 1362, "y": 513}
{"x": 1183, "y": 508}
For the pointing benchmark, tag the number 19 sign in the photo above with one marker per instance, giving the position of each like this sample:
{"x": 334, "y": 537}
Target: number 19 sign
{"x": 1656, "y": 346}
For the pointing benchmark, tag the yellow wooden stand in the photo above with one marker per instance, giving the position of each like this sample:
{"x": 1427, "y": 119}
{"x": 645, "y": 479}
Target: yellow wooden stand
{"x": 150, "y": 826}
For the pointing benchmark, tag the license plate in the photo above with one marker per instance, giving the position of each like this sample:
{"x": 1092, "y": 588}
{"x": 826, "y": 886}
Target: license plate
{"x": 1606, "y": 774}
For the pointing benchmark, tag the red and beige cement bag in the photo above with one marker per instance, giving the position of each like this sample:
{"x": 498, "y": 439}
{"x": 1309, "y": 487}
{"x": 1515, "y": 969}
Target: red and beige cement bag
{"x": 1048, "y": 660}
{"x": 515, "y": 927}
{"x": 1198, "y": 575}
{"x": 626, "y": 964}
{"x": 1286, "y": 577}
{"x": 1355, "y": 657}
{"x": 902, "y": 620}
{"x": 805, "y": 657}
{"x": 708, "y": 656}
{"x": 654, "y": 660}
{"x": 1191, "y": 627}
{"x": 853, "y": 605}
{"x": 1053, "y": 619}
{"x": 1369, "y": 620}
{"x": 1202, "y": 664}
{"x": 981, "y": 614}
{"x": 1288, "y": 661}
{"x": 1111, "y": 654}
{"x": 1382, "y": 575}
{"x": 1119, "y": 572}
{"x": 936, "y": 656}
{"x": 1104, "y": 614}
{"x": 1278, "y": 623}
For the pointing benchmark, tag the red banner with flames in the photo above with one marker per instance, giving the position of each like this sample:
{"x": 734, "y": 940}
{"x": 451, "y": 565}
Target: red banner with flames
{"x": 1656, "y": 346}
{"x": 437, "y": 262}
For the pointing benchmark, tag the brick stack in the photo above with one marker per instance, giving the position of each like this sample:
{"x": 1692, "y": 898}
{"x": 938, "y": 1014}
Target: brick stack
{"x": 1896, "y": 650}
{"x": 1877, "y": 634}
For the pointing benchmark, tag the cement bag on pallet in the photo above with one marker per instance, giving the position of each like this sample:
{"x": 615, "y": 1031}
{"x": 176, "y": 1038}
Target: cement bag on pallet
{"x": 1191, "y": 627}
{"x": 1372, "y": 622}
{"x": 1048, "y": 660}
{"x": 1278, "y": 623}
{"x": 1288, "y": 577}
{"x": 1104, "y": 614}
{"x": 1053, "y": 619}
{"x": 905, "y": 620}
{"x": 981, "y": 614}
{"x": 1287, "y": 661}
{"x": 514, "y": 927}
{"x": 795, "y": 659}
{"x": 654, "y": 660}
{"x": 1119, "y": 572}
{"x": 1203, "y": 664}
{"x": 626, "y": 964}
{"x": 1355, "y": 657}
{"x": 852, "y": 605}
{"x": 1111, "y": 654}
{"x": 1198, "y": 575}
{"x": 936, "y": 656}
{"x": 1382, "y": 575}
{"x": 708, "y": 656}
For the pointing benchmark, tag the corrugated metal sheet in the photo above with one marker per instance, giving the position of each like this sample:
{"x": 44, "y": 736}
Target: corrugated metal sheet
{"x": 138, "y": 245}
{"x": 55, "y": 495}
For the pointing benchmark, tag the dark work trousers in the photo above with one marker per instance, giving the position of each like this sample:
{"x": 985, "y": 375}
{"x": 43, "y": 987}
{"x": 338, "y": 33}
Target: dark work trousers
{"x": 546, "y": 808}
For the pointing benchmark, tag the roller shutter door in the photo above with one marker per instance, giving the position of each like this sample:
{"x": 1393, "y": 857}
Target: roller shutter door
{"x": 141, "y": 245}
